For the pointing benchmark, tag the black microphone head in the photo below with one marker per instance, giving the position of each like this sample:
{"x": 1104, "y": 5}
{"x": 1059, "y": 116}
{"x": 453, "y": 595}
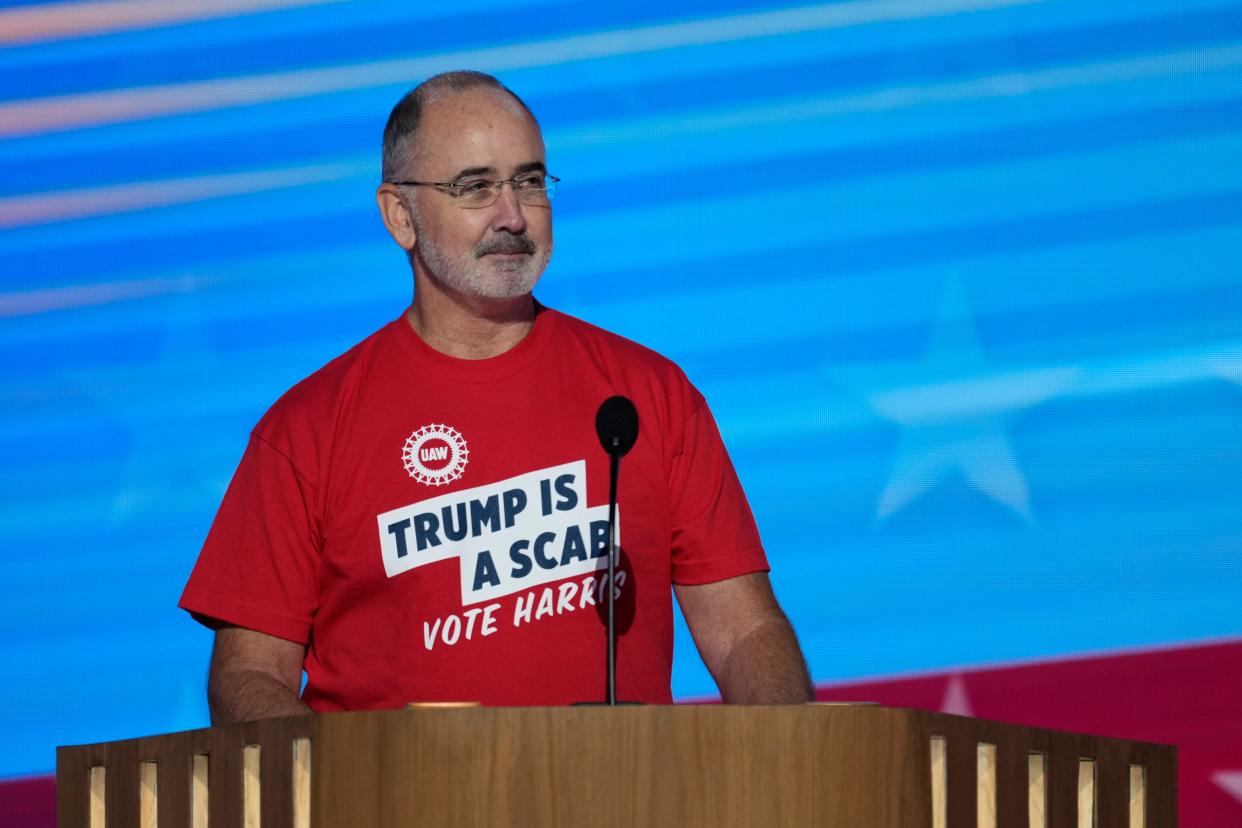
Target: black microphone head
{"x": 616, "y": 423}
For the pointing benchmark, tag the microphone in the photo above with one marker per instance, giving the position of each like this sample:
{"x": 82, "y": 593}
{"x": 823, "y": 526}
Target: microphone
{"x": 616, "y": 423}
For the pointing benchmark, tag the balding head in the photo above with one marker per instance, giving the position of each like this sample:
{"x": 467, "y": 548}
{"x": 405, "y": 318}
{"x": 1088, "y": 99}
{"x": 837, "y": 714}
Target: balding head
{"x": 457, "y": 130}
{"x": 401, "y": 131}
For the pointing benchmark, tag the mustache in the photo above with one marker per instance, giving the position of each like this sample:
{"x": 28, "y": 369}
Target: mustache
{"x": 507, "y": 243}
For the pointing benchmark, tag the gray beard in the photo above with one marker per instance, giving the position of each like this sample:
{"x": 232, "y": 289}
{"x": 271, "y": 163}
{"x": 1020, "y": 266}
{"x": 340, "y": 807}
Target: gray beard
{"x": 474, "y": 276}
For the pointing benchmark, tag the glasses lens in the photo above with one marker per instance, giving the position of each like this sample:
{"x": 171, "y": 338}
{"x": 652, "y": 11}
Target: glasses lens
{"x": 534, "y": 195}
{"x": 479, "y": 194}
{"x": 533, "y": 190}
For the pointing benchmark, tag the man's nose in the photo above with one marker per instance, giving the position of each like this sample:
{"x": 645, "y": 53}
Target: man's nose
{"x": 507, "y": 211}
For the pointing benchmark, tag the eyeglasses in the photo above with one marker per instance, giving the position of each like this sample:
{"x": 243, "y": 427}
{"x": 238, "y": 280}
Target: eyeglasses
{"x": 534, "y": 189}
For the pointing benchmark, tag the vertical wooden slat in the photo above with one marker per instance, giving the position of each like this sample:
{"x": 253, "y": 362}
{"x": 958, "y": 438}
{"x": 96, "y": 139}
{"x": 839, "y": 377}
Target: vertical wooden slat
{"x": 98, "y": 787}
{"x": 961, "y": 787}
{"x": 1161, "y": 785}
{"x": 1062, "y": 778}
{"x": 301, "y": 782}
{"x": 1138, "y": 796}
{"x": 252, "y": 791}
{"x": 985, "y": 785}
{"x": 73, "y": 788}
{"x": 1011, "y": 776}
{"x": 1112, "y": 783}
{"x": 121, "y": 807}
{"x": 200, "y": 784}
{"x": 148, "y": 794}
{"x": 172, "y": 752}
{"x": 939, "y": 782}
{"x": 224, "y": 795}
{"x": 1086, "y": 793}
{"x": 276, "y": 773}
{"x": 1037, "y": 790}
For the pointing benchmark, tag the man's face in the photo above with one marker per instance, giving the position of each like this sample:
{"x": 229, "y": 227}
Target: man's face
{"x": 499, "y": 251}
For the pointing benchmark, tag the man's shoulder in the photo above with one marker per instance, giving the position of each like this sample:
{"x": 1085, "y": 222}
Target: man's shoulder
{"x": 319, "y": 395}
{"x": 614, "y": 346}
{"x": 653, "y": 381}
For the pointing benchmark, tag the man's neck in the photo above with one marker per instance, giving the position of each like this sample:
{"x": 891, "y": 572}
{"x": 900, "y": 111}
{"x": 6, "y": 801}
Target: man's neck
{"x": 470, "y": 327}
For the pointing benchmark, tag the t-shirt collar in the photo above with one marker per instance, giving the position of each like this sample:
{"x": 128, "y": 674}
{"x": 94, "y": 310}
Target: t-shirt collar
{"x": 457, "y": 369}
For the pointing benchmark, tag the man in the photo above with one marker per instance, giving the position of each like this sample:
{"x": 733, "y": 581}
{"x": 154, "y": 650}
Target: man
{"x": 425, "y": 517}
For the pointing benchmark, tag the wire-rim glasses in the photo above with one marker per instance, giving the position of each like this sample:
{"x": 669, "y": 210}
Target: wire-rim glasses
{"x": 534, "y": 189}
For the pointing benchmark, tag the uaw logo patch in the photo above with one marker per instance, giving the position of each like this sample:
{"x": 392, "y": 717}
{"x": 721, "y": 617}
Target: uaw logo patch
{"x": 435, "y": 454}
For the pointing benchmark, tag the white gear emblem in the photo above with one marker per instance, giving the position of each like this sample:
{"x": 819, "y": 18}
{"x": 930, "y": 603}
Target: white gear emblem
{"x": 448, "y": 461}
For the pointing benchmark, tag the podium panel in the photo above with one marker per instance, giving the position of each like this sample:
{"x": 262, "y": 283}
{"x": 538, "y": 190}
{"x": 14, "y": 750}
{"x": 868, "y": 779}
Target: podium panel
{"x": 840, "y": 766}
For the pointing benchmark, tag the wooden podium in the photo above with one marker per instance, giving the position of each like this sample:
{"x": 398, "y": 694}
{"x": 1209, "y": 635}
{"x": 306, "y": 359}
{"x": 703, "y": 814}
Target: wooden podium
{"x": 852, "y": 766}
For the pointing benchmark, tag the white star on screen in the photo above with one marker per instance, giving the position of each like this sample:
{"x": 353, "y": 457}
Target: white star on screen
{"x": 1230, "y": 782}
{"x": 1229, "y": 369}
{"x": 954, "y": 412}
{"x": 956, "y": 700}
{"x": 166, "y": 424}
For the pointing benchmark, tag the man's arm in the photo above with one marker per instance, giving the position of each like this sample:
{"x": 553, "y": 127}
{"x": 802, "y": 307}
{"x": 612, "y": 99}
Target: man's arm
{"x": 253, "y": 676}
{"x": 746, "y": 641}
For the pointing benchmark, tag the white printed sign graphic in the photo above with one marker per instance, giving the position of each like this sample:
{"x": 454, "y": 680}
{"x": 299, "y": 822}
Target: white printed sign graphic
{"x": 508, "y": 536}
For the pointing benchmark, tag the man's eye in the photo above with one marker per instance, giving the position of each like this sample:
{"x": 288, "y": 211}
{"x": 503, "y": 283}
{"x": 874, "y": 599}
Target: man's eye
{"x": 473, "y": 187}
{"x": 534, "y": 181}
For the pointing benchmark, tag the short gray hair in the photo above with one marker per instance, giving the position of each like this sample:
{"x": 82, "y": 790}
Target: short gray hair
{"x": 401, "y": 131}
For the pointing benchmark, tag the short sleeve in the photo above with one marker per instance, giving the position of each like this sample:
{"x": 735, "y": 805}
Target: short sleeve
{"x": 259, "y": 567}
{"x": 714, "y": 534}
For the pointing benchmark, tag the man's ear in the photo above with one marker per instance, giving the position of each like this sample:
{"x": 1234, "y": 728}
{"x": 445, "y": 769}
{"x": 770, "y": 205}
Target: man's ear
{"x": 396, "y": 215}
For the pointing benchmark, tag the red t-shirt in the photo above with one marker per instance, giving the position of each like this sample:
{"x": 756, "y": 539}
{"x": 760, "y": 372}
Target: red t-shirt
{"x": 432, "y": 528}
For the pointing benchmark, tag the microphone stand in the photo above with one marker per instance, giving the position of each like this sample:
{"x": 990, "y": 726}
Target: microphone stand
{"x": 615, "y": 469}
{"x": 616, "y": 423}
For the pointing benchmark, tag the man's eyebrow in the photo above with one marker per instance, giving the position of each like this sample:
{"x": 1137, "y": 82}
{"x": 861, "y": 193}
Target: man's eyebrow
{"x": 468, "y": 171}
{"x": 529, "y": 166}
